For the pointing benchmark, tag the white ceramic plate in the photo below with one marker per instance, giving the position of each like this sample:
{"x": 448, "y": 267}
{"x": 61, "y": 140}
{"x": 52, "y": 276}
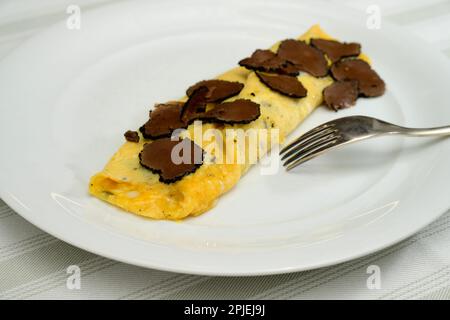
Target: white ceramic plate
{"x": 67, "y": 96}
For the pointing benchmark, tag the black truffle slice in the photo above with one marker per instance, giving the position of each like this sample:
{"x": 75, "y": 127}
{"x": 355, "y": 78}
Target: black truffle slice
{"x": 286, "y": 85}
{"x": 195, "y": 105}
{"x": 164, "y": 119}
{"x": 157, "y": 157}
{"x": 369, "y": 82}
{"x": 238, "y": 111}
{"x": 304, "y": 57}
{"x": 341, "y": 94}
{"x": 336, "y": 50}
{"x": 268, "y": 61}
{"x": 218, "y": 90}
{"x": 257, "y": 58}
{"x": 131, "y": 136}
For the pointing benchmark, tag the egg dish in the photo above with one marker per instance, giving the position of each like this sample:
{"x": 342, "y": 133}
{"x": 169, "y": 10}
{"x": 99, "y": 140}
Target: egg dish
{"x": 128, "y": 180}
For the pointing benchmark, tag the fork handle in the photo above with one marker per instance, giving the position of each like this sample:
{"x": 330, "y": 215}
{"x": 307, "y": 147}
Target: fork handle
{"x": 423, "y": 132}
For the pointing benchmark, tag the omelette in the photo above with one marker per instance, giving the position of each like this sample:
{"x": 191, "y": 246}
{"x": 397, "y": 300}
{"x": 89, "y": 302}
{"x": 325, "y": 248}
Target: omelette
{"x": 125, "y": 183}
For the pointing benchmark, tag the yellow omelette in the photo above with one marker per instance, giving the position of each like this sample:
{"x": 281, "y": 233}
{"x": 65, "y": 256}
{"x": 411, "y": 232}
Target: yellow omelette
{"x": 126, "y": 184}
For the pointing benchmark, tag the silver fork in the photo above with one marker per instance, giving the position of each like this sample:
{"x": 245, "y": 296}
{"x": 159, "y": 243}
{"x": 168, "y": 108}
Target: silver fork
{"x": 343, "y": 131}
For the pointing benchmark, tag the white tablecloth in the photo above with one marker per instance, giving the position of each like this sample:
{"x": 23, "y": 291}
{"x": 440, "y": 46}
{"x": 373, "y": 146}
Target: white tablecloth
{"x": 33, "y": 264}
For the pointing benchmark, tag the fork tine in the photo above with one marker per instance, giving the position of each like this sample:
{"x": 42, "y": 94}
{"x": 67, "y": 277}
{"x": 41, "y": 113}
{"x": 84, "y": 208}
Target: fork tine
{"x": 310, "y": 156}
{"x": 305, "y": 136}
{"x": 305, "y": 143}
{"x": 329, "y": 140}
